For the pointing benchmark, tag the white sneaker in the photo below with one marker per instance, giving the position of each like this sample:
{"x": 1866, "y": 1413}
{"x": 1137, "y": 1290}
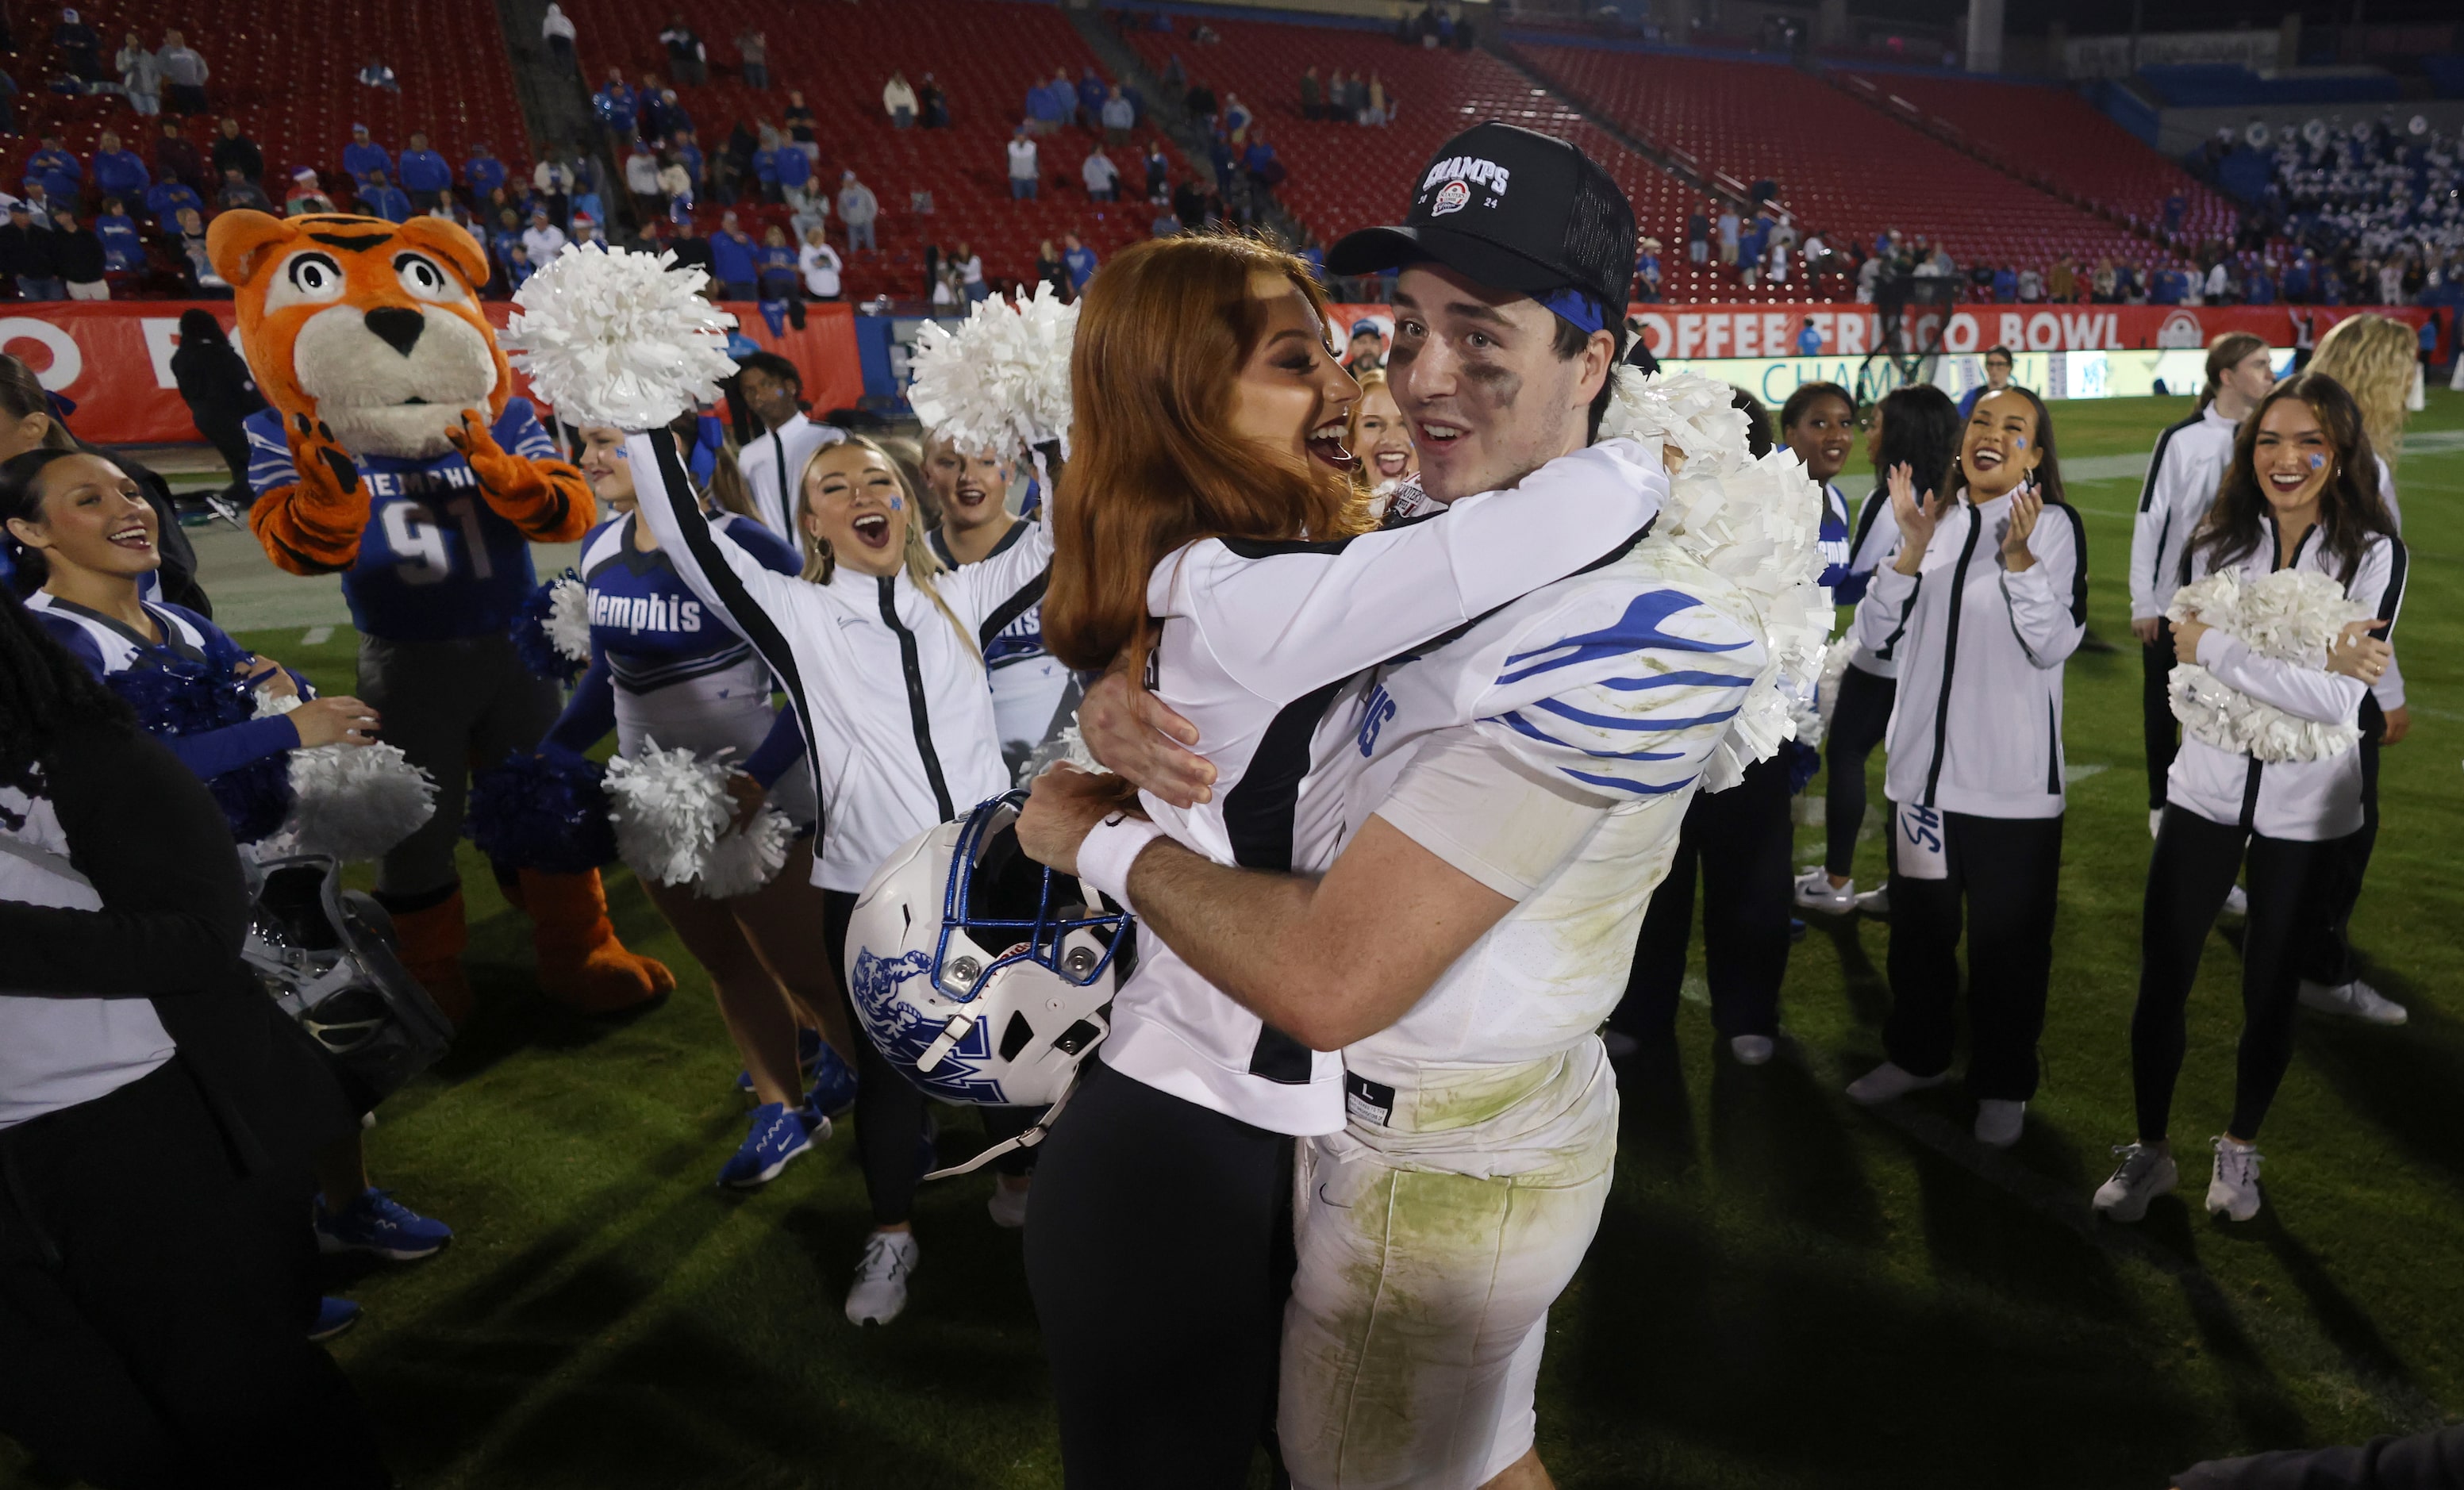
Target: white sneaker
{"x": 1007, "y": 1206}
{"x": 880, "y": 1290}
{"x": 2143, "y": 1174}
{"x": 1998, "y": 1120}
{"x": 1887, "y": 1081}
{"x": 1875, "y": 903}
{"x": 2155, "y": 820}
{"x": 2355, "y": 1000}
{"x": 1815, "y": 892}
{"x": 2238, "y": 902}
{"x": 2234, "y": 1192}
{"x": 1751, "y": 1049}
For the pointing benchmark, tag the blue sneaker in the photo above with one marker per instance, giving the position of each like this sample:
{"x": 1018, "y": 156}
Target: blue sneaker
{"x": 808, "y": 1052}
{"x": 334, "y": 1316}
{"x": 378, "y": 1224}
{"x": 777, "y": 1136}
{"x": 833, "y": 1090}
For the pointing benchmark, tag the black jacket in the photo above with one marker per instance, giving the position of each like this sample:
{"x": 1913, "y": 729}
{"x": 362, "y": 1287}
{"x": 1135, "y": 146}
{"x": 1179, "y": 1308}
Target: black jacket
{"x": 240, "y": 151}
{"x": 217, "y": 386}
{"x": 79, "y": 254}
{"x": 2432, "y": 1460}
{"x": 150, "y": 839}
{"x": 27, "y": 252}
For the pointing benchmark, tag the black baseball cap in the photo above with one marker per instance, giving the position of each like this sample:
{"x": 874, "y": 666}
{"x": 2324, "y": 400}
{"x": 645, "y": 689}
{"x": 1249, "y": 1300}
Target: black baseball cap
{"x": 1517, "y": 210}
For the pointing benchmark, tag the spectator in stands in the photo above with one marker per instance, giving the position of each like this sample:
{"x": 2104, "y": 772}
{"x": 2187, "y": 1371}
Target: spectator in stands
{"x": 183, "y": 79}
{"x": 753, "y": 58}
{"x": 62, "y": 176}
{"x": 1366, "y": 352}
{"x": 585, "y": 229}
{"x": 1259, "y": 160}
{"x": 1102, "y": 177}
{"x": 820, "y": 265}
{"x": 81, "y": 48}
{"x": 1778, "y": 257}
{"x": 1809, "y": 339}
{"x": 124, "y": 251}
{"x": 363, "y": 156}
{"x": 425, "y": 175}
{"x": 765, "y": 164}
{"x": 2102, "y": 284}
{"x": 796, "y": 188}
{"x": 970, "y": 266}
{"x": 237, "y": 190}
{"x": 936, "y": 103}
{"x": 38, "y": 205}
{"x": 1752, "y": 245}
{"x": 1237, "y": 118}
{"x": 376, "y": 75}
{"x": 732, "y": 258}
{"x": 118, "y": 170}
{"x": 2006, "y": 285}
{"x": 1728, "y": 229}
{"x": 1118, "y": 116}
{"x": 1092, "y": 93}
{"x": 518, "y": 270}
{"x": 1164, "y": 225}
{"x": 2062, "y": 284}
{"x": 1312, "y": 95}
{"x": 859, "y": 210}
{"x": 615, "y": 108}
{"x": 482, "y": 173}
{"x": 1379, "y": 108}
{"x": 1050, "y": 269}
{"x": 176, "y": 157}
{"x": 555, "y": 32}
{"x": 1200, "y": 102}
{"x": 79, "y": 253}
{"x": 1158, "y": 172}
{"x": 776, "y": 288}
{"x": 233, "y": 149}
{"x": 166, "y": 200}
{"x": 503, "y": 236}
{"x": 1697, "y": 237}
{"x": 1079, "y": 260}
{"x": 1043, "y": 112}
{"x": 642, "y": 181}
{"x": 1024, "y": 172}
{"x": 141, "y": 77}
{"x": 543, "y": 239}
{"x": 1646, "y": 272}
{"x": 2031, "y": 287}
{"x": 554, "y": 182}
{"x": 7, "y": 103}
{"x": 189, "y": 242}
{"x": 380, "y": 197}
{"x": 688, "y": 149}
{"x": 687, "y": 59}
{"x": 798, "y": 119}
{"x": 26, "y": 255}
{"x": 677, "y": 186}
{"x": 898, "y": 101}
{"x": 305, "y": 195}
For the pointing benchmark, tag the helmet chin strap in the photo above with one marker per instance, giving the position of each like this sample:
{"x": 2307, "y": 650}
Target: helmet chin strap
{"x": 1033, "y": 1135}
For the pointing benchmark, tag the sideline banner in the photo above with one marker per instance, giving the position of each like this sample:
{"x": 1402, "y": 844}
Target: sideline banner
{"x": 113, "y": 359}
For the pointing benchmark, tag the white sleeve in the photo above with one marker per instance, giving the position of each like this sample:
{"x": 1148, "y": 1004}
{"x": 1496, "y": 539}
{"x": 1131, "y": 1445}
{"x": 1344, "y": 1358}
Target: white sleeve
{"x": 1883, "y": 615}
{"x": 745, "y": 593}
{"x": 1476, "y": 805}
{"x": 1283, "y": 618}
{"x": 2148, "y": 534}
{"x": 2307, "y": 692}
{"x": 1001, "y": 586}
{"x": 2048, "y": 601}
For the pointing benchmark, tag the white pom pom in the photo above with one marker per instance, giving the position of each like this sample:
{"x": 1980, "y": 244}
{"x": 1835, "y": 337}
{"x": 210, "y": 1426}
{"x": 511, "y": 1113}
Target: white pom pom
{"x": 669, "y": 808}
{"x": 568, "y": 618}
{"x": 2290, "y": 615}
{"x": 673, "y": 814}
{"x": 1835, "y": 671}
{"x": 1067, "y": 744}
{"x": 999, "y": 383}
{"x": 357, "y": 801}
{"x": 610, "y": 336}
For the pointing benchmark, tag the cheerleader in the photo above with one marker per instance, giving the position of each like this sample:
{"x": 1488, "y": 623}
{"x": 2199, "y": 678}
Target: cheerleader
{"x": 2374, "y": 357}
{"x": 1984, "y": 601}
{"x": 1918, "y": 428}
{"x": 2300, "y": 494}
{"x": 1382, "y": 438}
{"x": 79, "y": 527}
{"x": 662, "y": 671}
{"x": 2182, "y": 476}
{"x": 1029, "y": 687}
{"x": 881, "y": 654}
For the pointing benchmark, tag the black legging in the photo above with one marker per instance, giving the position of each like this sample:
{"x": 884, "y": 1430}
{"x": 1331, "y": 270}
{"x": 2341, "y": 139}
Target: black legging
{"x": 1740, "y": 839}
{"x": 2005, "y": 875}
{"x": 2156, "y": 661}
{"x": 1857, "y": 721}
{"x": 2192, "y": 868}
{"x": 1159, "y": 1255}
{"x": 888, "y": 1107}
{"x": 2327, "y": 952}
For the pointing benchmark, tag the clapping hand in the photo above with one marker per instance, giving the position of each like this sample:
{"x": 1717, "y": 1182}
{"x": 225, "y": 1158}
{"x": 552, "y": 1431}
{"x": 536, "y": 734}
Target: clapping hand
{"x": 1916, "y": 518}
{"x": 2027, "y": 504}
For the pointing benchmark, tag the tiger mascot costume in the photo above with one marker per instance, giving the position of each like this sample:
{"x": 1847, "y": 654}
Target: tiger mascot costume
{"x": 395, "y": 454}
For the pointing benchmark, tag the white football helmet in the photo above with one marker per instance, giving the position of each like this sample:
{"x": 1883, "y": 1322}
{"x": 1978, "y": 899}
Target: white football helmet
{"x": 979, "y": 974}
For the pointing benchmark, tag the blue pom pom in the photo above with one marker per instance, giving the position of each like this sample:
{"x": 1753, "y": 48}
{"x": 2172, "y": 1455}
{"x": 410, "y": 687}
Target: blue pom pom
{"x": 531, "y": 641}
{"x": 1803, "y": 760}
{"x": 543, "y": 812}
{"x": 174, "y": 695}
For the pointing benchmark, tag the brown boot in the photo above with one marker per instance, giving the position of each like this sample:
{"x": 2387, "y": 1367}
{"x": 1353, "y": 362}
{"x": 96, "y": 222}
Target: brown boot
{"x": 431, "y": 940}
{"x": 581, "y": 965}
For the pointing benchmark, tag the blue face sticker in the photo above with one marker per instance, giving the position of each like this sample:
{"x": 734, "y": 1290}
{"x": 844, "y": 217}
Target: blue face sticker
{"x": 2019, "y": 441}
{"x": 2317, "y": 460}
{"x": 897, "y": 504}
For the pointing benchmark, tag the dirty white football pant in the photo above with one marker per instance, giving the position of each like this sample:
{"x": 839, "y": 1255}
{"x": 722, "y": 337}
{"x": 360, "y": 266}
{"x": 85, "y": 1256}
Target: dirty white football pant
{"x": 1434, "y": 1232}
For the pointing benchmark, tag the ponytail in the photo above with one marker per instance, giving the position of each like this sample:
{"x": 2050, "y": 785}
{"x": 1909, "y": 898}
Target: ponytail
{"x": 2224, "y": 353}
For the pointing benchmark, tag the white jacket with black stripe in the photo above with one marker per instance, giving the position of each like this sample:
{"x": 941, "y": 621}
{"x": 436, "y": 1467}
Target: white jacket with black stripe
{"x": 1979, "y": 726}
{"x": 897, "y": 719}
{"x": 2300, "y": 801}
{"x": 2183, "y": 476}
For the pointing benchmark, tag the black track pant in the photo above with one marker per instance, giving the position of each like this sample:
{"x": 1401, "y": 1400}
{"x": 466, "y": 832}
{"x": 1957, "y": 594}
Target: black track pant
{"x": 1741, "y": 840}
{"x": 888, "y": 1107}
{"x": 2156, "y": 661}
{"x": 2328, "y": 953}
{"x": 155, "y": 1306}
{"x": 1857, "y": 721}
{"x": 1159, "y": 1255}
{"x": 2003, "y": 872}
{"x": 2193, "y": 866}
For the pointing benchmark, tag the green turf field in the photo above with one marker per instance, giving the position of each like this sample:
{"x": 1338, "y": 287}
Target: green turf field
{"x": 1786, "y": 1291}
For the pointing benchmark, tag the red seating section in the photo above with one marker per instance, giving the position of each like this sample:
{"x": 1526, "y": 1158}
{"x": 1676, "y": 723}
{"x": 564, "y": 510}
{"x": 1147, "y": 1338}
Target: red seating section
{"x": 1842, "y": 166}
{"x": 1345, "y": 176}
{"x": 2058, "y": 136}
{"x": 288, "y": 71}
{"x": 985, "y": 53}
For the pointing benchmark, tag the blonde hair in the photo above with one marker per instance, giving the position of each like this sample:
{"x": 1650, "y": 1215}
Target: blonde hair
{"x": 727, "y": 485}
{"x": 915, "y": 554}
{"x": 2374, "y": 357}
